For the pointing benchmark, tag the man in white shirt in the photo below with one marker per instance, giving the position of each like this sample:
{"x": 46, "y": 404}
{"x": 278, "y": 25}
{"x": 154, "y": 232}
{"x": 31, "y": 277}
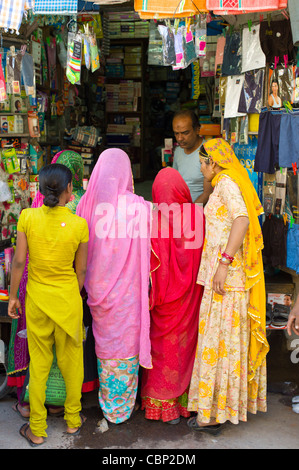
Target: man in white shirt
{"x": 186, "y": 157}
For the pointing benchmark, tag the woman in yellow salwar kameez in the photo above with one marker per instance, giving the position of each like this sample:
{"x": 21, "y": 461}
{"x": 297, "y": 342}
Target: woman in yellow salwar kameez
{"x": 57, "y": 244}
{"x": 229, "y": 373}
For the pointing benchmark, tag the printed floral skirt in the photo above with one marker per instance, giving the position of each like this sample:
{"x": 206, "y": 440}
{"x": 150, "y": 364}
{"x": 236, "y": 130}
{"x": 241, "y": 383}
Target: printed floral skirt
{"x": 166, "y": 410}
{"x": 219, "y": 388}
{"x": 118, "y": 387}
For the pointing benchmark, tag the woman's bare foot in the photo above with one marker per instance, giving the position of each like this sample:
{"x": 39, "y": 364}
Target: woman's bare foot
{"x": 76, "y": 430}
{"x": 33, "y": 440}
{"x": 24, "y": 411}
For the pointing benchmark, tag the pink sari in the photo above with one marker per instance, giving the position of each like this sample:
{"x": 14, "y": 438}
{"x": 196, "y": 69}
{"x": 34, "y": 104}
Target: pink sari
{"x": 118, "y": 265}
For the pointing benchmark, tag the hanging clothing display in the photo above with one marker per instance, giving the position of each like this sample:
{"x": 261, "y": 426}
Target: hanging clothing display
{"x": 57, "y": 7}
{"x": 11, "y": 14}
{"x": 233, "y": 7}
{"x": 148, "y": 9}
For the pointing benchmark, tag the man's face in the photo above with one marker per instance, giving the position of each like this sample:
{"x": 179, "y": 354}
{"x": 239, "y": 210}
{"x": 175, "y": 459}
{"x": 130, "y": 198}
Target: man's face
{"x": 186, "y": 136}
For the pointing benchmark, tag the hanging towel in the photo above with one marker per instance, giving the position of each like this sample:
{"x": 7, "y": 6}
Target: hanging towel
{"x": 11, "y": 14}
{"x": 149, "y": 9}
{"x": 233, "y": 7}
{"x": 55, "y": 7}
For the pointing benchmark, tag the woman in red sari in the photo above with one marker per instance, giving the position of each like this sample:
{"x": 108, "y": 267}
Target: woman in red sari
{"x": 177, "y": 237}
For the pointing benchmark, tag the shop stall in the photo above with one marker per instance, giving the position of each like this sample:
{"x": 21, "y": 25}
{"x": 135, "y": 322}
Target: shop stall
{"x": 89, "y": 75}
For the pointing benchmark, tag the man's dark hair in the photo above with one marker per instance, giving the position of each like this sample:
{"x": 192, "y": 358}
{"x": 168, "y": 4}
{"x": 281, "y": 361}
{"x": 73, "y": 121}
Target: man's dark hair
{"x": 191, "y": 114}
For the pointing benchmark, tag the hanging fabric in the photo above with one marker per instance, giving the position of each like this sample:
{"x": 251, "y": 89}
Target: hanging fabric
{"x": 149, "y": 9}
{"x": 234, "y": 7}
{"x": 57, "y": 7}
{"x": 11, "y": 14}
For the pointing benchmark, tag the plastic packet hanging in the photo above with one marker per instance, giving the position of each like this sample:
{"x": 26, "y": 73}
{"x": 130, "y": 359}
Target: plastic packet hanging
{"x": 168, "y": 46}
{"x": 28, "y": 75}
{"x": 251, "y": 98}
{"x": 243, "y": 134}
{"x": 189, "y": 46}
{"x": 74, "y": 58}
{"x": 268, "y": 192}
{"x": 13, "y": 72}
{"x": 86, "y": 51}
{"x": 51, "y": 53}
{"x": 94, "y": 53}
{"x": 232, "y": 55}
{"x": 201, "y": 37}
{"x": 180, "y": 51}
{"x": 10, "y": 160}
{"x": 155, "y": 46}
{"x": 252, "y": 55}
{"x": 33, "y": 124}
{"x": 61, "y": 51}
{"x": 280, "y": 190}
{"x": 3, "y": 95}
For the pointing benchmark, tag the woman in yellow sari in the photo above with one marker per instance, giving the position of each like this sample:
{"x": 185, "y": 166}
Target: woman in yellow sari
{"x": 229, "y": 373}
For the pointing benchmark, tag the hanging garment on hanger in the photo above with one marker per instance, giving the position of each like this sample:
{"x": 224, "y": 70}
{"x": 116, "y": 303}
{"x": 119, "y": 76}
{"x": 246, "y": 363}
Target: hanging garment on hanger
{"x": 268, "y": 141}
{"x": 232, "y": 55}
{"x": 277, "y": 42}
{"x": 251, "y": 98}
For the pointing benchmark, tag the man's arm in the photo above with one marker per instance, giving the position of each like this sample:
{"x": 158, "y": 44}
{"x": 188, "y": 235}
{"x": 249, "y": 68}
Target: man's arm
{"x": 207, "y": 190}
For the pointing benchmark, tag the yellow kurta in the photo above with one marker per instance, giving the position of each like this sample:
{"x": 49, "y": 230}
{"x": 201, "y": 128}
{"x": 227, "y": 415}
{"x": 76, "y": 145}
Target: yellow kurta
{"x": 219, "y": 385}
{"x": 53, "y": 236}
{"x": 54, "y": 310}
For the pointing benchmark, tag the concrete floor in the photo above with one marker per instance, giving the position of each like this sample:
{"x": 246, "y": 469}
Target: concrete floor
{"x": 276, "y": 429}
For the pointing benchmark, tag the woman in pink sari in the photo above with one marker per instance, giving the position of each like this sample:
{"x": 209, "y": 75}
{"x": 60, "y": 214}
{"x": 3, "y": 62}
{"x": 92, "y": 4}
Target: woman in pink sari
{"x": 117, "y": 280}
{"x": 174, "y": 298}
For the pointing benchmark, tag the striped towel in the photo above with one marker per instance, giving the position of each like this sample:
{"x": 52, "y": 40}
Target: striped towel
{"x": 56, "y": 7}
{"x": 11, "y": 14}
{"x": 235, "y": 6}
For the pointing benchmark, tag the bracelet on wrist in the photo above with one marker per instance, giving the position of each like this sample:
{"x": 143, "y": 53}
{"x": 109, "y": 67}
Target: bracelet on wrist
{"x": 228, "y": 257}
{"x": 224, "y": 262}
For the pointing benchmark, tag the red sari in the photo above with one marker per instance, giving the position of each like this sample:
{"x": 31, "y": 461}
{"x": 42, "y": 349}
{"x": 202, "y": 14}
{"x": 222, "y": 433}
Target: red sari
{"x": 174, "y": 298}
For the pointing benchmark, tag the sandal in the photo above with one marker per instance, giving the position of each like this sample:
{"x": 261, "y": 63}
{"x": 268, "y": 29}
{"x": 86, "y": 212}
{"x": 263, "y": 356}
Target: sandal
{"x": 268, "y": 314}
{"x": 174, "y": 421}
{"x": 25, "y": 428}
{"x": 280, "y": 315}
{"x": 15, "y": 407}
{"x": 213, "y": 429}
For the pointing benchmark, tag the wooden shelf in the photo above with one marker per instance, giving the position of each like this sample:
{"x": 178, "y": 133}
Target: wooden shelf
{"x": 15, "y": 135}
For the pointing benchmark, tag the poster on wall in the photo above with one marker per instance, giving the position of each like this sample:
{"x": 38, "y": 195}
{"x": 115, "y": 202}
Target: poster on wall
{"x": 281, "y": 86}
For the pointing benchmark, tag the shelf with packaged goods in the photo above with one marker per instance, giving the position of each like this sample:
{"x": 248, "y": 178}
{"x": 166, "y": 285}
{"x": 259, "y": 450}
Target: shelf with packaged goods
{"x": 130, "y": 91}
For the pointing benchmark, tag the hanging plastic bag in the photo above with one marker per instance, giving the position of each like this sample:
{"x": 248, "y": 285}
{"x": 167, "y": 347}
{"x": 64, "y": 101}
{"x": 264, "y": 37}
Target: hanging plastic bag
{"x": 86, "y": 51}
{"x": 168, "y": 47}
{"x": 155, "y": 46}
{"x": 61, "y": 51}
{"x": 74, "y": 58}
{"x": 180, "y": 52}
{"x": 28, "y": 75}
{"x": 252, "y": 55}
{"x": 201, "y": 36}
{"x": 10, "y": 160}
{"x": 33, "y": 124}
{"x": 3, "y": 95}
{"x": 232, "y": 55}
{"x": 251, "y": 98}
{"x": 189, "y": 45}
{"x": 94, "y": 53}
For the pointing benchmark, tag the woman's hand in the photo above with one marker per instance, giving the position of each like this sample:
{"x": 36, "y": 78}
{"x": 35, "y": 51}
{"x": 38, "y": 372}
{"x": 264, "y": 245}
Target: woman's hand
{"x": 13, "y": 305}
{"x": 293, "y": 321}
{"x": 219, "y": 279}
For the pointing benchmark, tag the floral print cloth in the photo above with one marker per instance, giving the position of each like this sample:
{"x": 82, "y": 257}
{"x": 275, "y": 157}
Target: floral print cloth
{"x": 118, "y": 387}
{"x": 219, "y": 385}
